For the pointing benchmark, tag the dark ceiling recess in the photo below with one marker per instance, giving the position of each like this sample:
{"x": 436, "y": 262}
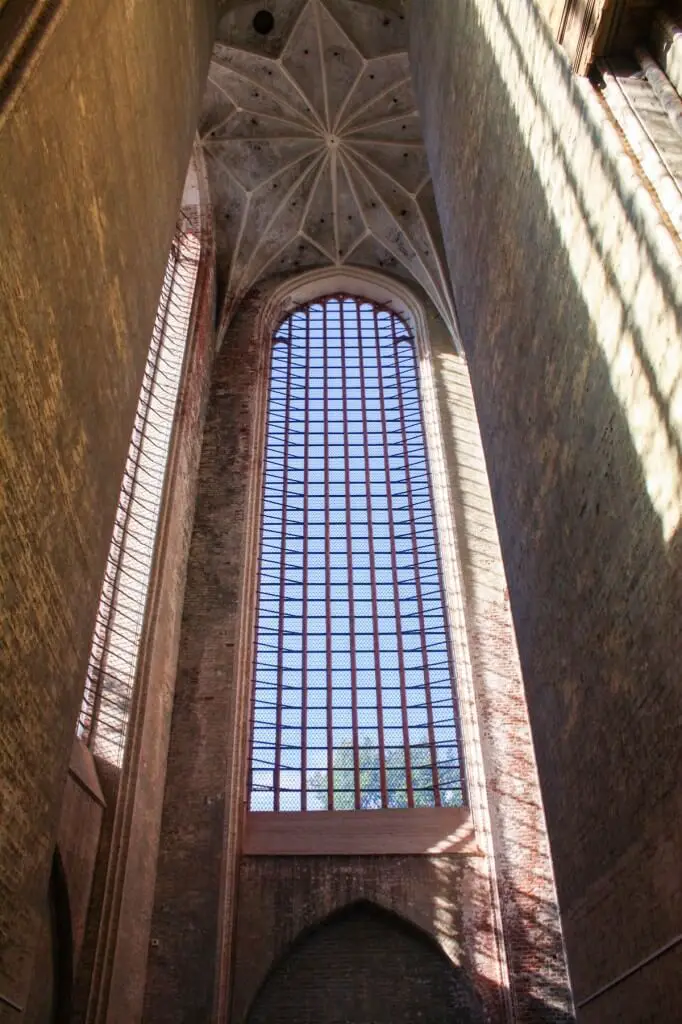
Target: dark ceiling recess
{"x": 263, "y": 22}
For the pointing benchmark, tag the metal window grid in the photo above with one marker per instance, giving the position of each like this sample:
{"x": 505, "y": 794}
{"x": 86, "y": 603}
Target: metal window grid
{"x": 354, "y": 701}
{"x": 114, "y": 653}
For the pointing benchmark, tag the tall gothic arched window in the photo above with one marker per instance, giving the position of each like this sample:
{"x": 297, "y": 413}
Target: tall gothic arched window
{"x": 117, "y": 639}
{"x": 354, "y": 702}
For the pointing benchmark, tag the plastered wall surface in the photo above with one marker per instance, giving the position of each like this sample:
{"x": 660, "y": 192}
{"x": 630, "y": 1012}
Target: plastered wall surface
{"x": 94, "y": 152}
{"x": 568, "y": 300}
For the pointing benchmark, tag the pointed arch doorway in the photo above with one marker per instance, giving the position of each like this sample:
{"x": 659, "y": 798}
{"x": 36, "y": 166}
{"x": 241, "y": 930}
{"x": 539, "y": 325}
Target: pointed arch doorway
{"x": 365, "y": 965}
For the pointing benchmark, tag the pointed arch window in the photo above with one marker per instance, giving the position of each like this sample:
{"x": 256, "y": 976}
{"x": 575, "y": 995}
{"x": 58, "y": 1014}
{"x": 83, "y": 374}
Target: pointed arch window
{"x": 354, "y": 701}
{"x": 106, "y": 707}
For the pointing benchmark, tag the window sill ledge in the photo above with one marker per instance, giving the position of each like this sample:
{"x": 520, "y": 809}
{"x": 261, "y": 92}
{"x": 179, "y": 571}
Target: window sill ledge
{"x": 427, "y": 831}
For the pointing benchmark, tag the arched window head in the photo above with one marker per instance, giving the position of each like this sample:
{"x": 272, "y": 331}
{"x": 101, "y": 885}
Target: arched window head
{"x": 354, "y": 693}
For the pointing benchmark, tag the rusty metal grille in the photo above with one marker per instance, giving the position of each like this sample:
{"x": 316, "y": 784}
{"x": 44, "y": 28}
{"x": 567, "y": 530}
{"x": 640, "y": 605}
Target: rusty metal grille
{"x": 114, "y": 654}
{"x": 354, "y": 694}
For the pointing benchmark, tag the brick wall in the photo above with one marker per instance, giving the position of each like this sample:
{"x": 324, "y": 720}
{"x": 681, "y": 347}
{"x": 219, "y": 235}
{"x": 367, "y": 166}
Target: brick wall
{"x": 92, "y": 177}
{"x": 202, "y": 803}
{"x": 501, "y": 757}
{"x": 567, "y": 289}
{"x": 193, "y": 944}
{"x": 282, "y": 898}
{"x": 365, "y": 965}
{"x": 112, "y": 976}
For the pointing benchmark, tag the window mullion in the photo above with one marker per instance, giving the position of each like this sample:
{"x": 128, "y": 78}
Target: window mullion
{"x": 417, "y": 570}
{"x": 349, "y": 556}
{"x": 394, "y": 568}
{"x": 282, "y": 581}
{"x": 372, "y": 568}
{"x": 450, "y": 658}
{"x": 304, "y": 592}
{"x": 327, "y": 561}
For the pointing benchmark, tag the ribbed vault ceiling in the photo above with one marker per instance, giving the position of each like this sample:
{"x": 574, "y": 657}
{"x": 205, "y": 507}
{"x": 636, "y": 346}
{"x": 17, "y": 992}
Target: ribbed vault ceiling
{"x": 314, "y": 147}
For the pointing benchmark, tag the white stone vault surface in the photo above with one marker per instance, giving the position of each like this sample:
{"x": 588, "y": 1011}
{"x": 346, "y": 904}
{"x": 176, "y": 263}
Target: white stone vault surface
{"x": 314, "y": 148}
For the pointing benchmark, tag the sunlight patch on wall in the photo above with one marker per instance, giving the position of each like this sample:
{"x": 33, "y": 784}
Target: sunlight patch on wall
{"x": 634, "y": 322}
{"x": 117, "y": 639}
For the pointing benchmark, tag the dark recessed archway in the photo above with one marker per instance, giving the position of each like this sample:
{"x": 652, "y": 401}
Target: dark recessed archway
{"x": 49, "y": 1000}
{"x": 365, "y": 965}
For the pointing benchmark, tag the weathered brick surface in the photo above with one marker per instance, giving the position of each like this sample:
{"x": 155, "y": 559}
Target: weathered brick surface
{"x": 523, "y": 870}
{"x": 647, "y": 996}
{"x": 365, "y": 965}
{"x": 208, "y": 752}
{"x": 94, "y": 153}
{"x": 127, "y": 981}
{"x": 201, "y": 793}
{"x": 568, "y": 297}
{"x": 113, "y": 974}
{"x": 281, "y": 898}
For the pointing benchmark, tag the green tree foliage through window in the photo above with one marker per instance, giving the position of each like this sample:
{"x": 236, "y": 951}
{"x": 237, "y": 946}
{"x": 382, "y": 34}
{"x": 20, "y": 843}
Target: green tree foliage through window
{"x": 370, "y": 779}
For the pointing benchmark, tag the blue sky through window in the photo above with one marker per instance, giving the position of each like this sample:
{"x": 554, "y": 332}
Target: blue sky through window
{"x": 354, "y": 685}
